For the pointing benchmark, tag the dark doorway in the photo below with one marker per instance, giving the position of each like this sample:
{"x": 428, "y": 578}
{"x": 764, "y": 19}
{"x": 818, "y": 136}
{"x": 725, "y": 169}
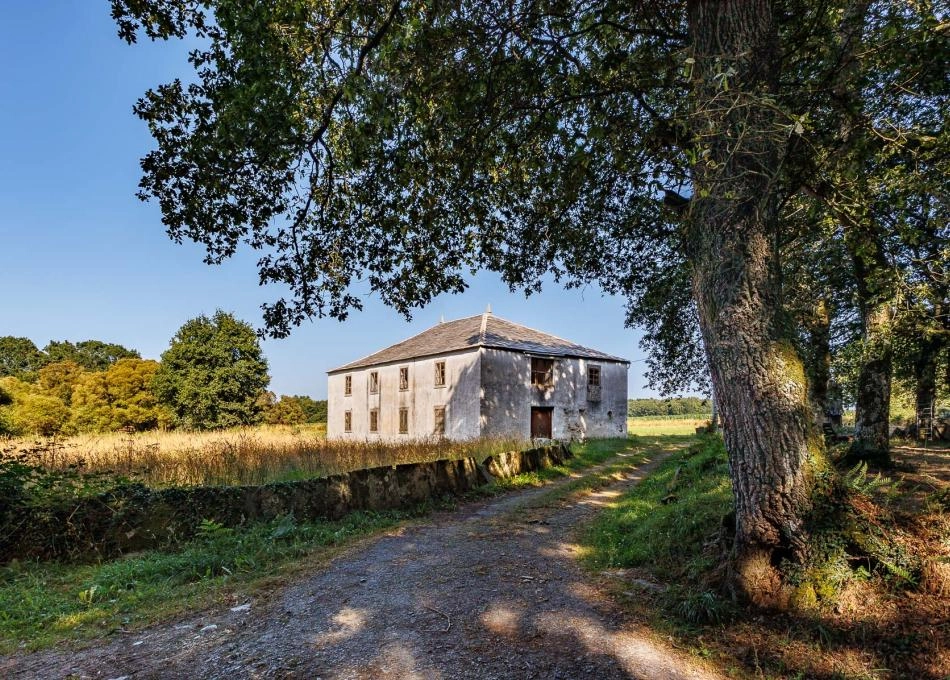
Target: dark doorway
{"x": 541, "y": 422}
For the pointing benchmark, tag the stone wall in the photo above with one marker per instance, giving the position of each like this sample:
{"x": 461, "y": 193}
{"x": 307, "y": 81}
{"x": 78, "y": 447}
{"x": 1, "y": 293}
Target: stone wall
{"x": 134, "y": 517}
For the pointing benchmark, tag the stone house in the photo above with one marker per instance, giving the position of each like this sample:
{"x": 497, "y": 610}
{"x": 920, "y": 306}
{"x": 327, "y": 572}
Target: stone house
{"x": 480, "y": 376}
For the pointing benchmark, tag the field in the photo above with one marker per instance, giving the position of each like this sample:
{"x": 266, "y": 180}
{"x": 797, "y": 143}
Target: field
{"x": 252, "y": 455}
{"x": 261, "y": 454}
{"x": 665, "y": 425}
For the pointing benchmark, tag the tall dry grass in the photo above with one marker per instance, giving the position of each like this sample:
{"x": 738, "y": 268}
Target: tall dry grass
{"x": 251, "y": 455}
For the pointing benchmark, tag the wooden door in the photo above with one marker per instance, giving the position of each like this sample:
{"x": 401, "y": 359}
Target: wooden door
{"x": 541, "y": 422}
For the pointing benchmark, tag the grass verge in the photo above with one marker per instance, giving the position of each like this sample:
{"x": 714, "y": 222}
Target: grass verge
{"x": 659, "y": 549}
{"x": 666, "y": 521}
{"x": 42, "y": 604}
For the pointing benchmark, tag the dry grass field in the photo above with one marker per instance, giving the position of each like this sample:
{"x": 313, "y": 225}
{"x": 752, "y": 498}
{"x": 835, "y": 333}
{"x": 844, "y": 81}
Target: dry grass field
{"x": 251, "y": 455}
{"x": 664, "y": 425}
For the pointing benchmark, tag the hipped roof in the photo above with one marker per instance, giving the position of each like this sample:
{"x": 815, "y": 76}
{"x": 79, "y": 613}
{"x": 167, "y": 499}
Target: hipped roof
{"x": 483, "y": 330}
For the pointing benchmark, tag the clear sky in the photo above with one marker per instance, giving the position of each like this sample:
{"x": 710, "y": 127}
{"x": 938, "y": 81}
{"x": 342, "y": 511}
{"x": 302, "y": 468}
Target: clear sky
{"x": 81, "y": 257}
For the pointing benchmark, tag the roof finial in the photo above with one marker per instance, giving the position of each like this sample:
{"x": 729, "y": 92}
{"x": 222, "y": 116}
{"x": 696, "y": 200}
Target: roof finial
{"x": 441, "y": 318}
{"x": 488, "y": 309}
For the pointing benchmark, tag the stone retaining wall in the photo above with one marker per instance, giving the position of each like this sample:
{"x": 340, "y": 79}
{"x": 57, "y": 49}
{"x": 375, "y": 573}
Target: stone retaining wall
{"x": 135, "y": 517}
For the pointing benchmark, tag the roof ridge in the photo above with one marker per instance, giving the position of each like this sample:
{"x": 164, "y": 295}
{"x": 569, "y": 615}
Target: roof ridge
{"x": 471, "y": 332}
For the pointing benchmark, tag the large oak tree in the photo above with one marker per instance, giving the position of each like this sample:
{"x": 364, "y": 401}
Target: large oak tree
{"x": 651, "y": 146}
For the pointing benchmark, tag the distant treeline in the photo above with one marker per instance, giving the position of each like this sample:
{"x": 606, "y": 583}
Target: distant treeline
{"x": 681, "y": 406}
{"x": 213, "y": 376}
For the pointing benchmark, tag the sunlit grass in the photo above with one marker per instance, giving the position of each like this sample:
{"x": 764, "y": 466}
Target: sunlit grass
{"x": 664, "y": 521}
{"x": 664, "y": 425}
{"x": 251, "y": 455}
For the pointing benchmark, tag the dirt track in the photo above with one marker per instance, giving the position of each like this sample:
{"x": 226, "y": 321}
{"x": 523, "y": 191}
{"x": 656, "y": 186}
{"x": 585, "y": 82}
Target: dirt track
{"x": 492, "y": 590}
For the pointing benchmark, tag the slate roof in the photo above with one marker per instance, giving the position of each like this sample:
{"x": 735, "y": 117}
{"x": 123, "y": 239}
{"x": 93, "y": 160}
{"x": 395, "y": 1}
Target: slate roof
{"x": 484, "y": 330}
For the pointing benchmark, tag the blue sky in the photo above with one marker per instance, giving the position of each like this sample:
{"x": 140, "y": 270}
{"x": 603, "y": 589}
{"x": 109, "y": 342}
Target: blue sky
{"x": 81, "y": 257}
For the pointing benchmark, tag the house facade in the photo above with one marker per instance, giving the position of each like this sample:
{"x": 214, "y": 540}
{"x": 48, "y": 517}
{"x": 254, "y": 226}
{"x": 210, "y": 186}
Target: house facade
{"x": 480, "y": 376}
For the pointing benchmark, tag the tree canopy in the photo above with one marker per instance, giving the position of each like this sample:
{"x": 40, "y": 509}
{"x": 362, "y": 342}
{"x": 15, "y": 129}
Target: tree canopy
{"x": 213, "y": 373}
{"x": 92, "y": 355}
{"x": 19, "y": 357}
{"x": 676, "y": 153}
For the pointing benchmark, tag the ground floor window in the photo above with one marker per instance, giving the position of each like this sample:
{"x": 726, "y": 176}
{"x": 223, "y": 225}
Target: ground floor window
{"x": 403, "y": 421}
{"x": 439, "y": 428}
{"x": 374, "y": 420}
{"x": 541, "y": 422}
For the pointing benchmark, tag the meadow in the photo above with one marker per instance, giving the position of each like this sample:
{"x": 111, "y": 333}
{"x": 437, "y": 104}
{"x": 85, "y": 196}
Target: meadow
{"x": 651, "y": 426}
{"x": 249, "y": 455}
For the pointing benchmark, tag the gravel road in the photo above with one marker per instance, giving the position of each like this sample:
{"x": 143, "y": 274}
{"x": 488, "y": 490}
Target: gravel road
{"x": 490, "y": 590}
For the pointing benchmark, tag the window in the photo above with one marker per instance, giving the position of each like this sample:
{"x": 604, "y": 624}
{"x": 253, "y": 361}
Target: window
{"x": 403, "y": 421}
{"x": 374, "y": 420}
{"x": 374, "y": 382}
{"x": 348, "y": 386}
{"x": 440, "y": 374}
{"x": 439, "y": 428}
{"x": 593, "y": 383}
{"x": 347, "y": 421}
{"x": 542, "y": 372}
{"x": 404, "y": 378}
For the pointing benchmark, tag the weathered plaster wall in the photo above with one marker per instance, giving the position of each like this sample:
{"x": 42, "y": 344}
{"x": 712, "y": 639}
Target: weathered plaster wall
{"x": 459, "y": 397}
{"x": 507, "y": 397}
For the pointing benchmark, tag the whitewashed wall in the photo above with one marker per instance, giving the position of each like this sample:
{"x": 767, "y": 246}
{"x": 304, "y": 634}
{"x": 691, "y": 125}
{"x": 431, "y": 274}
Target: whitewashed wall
{"x": 460, "y": 396}
{"x": 507, "y": 396}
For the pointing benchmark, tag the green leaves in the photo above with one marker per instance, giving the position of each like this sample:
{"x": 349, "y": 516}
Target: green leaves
{"x": 213, "y": 373}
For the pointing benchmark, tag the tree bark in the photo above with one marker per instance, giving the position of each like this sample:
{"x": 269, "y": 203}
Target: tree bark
{"x": 757, "y": 375}
{"x": 819, "y": 360}
{"x": 925, "y": 378}
{"x": 873, "y": 390}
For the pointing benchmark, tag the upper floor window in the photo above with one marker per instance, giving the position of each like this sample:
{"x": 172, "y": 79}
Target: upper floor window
{"x": 374, "y": 420}
{"x": 374, "y": 382}
{"x": 542, "y": 372}
{"x": 439, "y": 428}
{"x": 348, "y": 386}
{"x": 404, "y": 378}
{"x": 593, "y": 383}
{"x": 440, "y": 374}
{"x": 347, "y": 421}
{"x": 403, "y": 421}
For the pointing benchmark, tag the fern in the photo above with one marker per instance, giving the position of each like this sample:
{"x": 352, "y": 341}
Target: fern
{"x": 856, "y": 480}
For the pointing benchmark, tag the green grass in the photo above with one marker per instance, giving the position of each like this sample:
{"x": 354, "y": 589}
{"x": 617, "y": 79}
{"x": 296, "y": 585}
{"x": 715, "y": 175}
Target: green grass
{"x": 664, "y": 522}
{"x": 43, "y": 604}
{"x": 592, "y": 452}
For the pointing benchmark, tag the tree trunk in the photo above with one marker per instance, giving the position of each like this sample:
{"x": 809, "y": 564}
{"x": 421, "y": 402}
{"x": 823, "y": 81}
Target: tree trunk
{"x": 925, "y": 379}
{"x": 757, "y": 375}
{"x": 819, "y": 360}
{"x": 873, "y": 390}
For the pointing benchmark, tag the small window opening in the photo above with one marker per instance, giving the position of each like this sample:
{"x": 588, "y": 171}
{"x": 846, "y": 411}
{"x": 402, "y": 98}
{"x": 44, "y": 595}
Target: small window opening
{"x": 542, "y": 372}
{"x": 439, "y": 428}
{"x": 403, "y": 421}
{"x": 347, "y": 421}
{"x": 440, "y": 374}
{"x": 348, "y": 386}
{"x": 404, "y": 378}
{"x": 374, "y": 420}
{"x": 374, "y": 382}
